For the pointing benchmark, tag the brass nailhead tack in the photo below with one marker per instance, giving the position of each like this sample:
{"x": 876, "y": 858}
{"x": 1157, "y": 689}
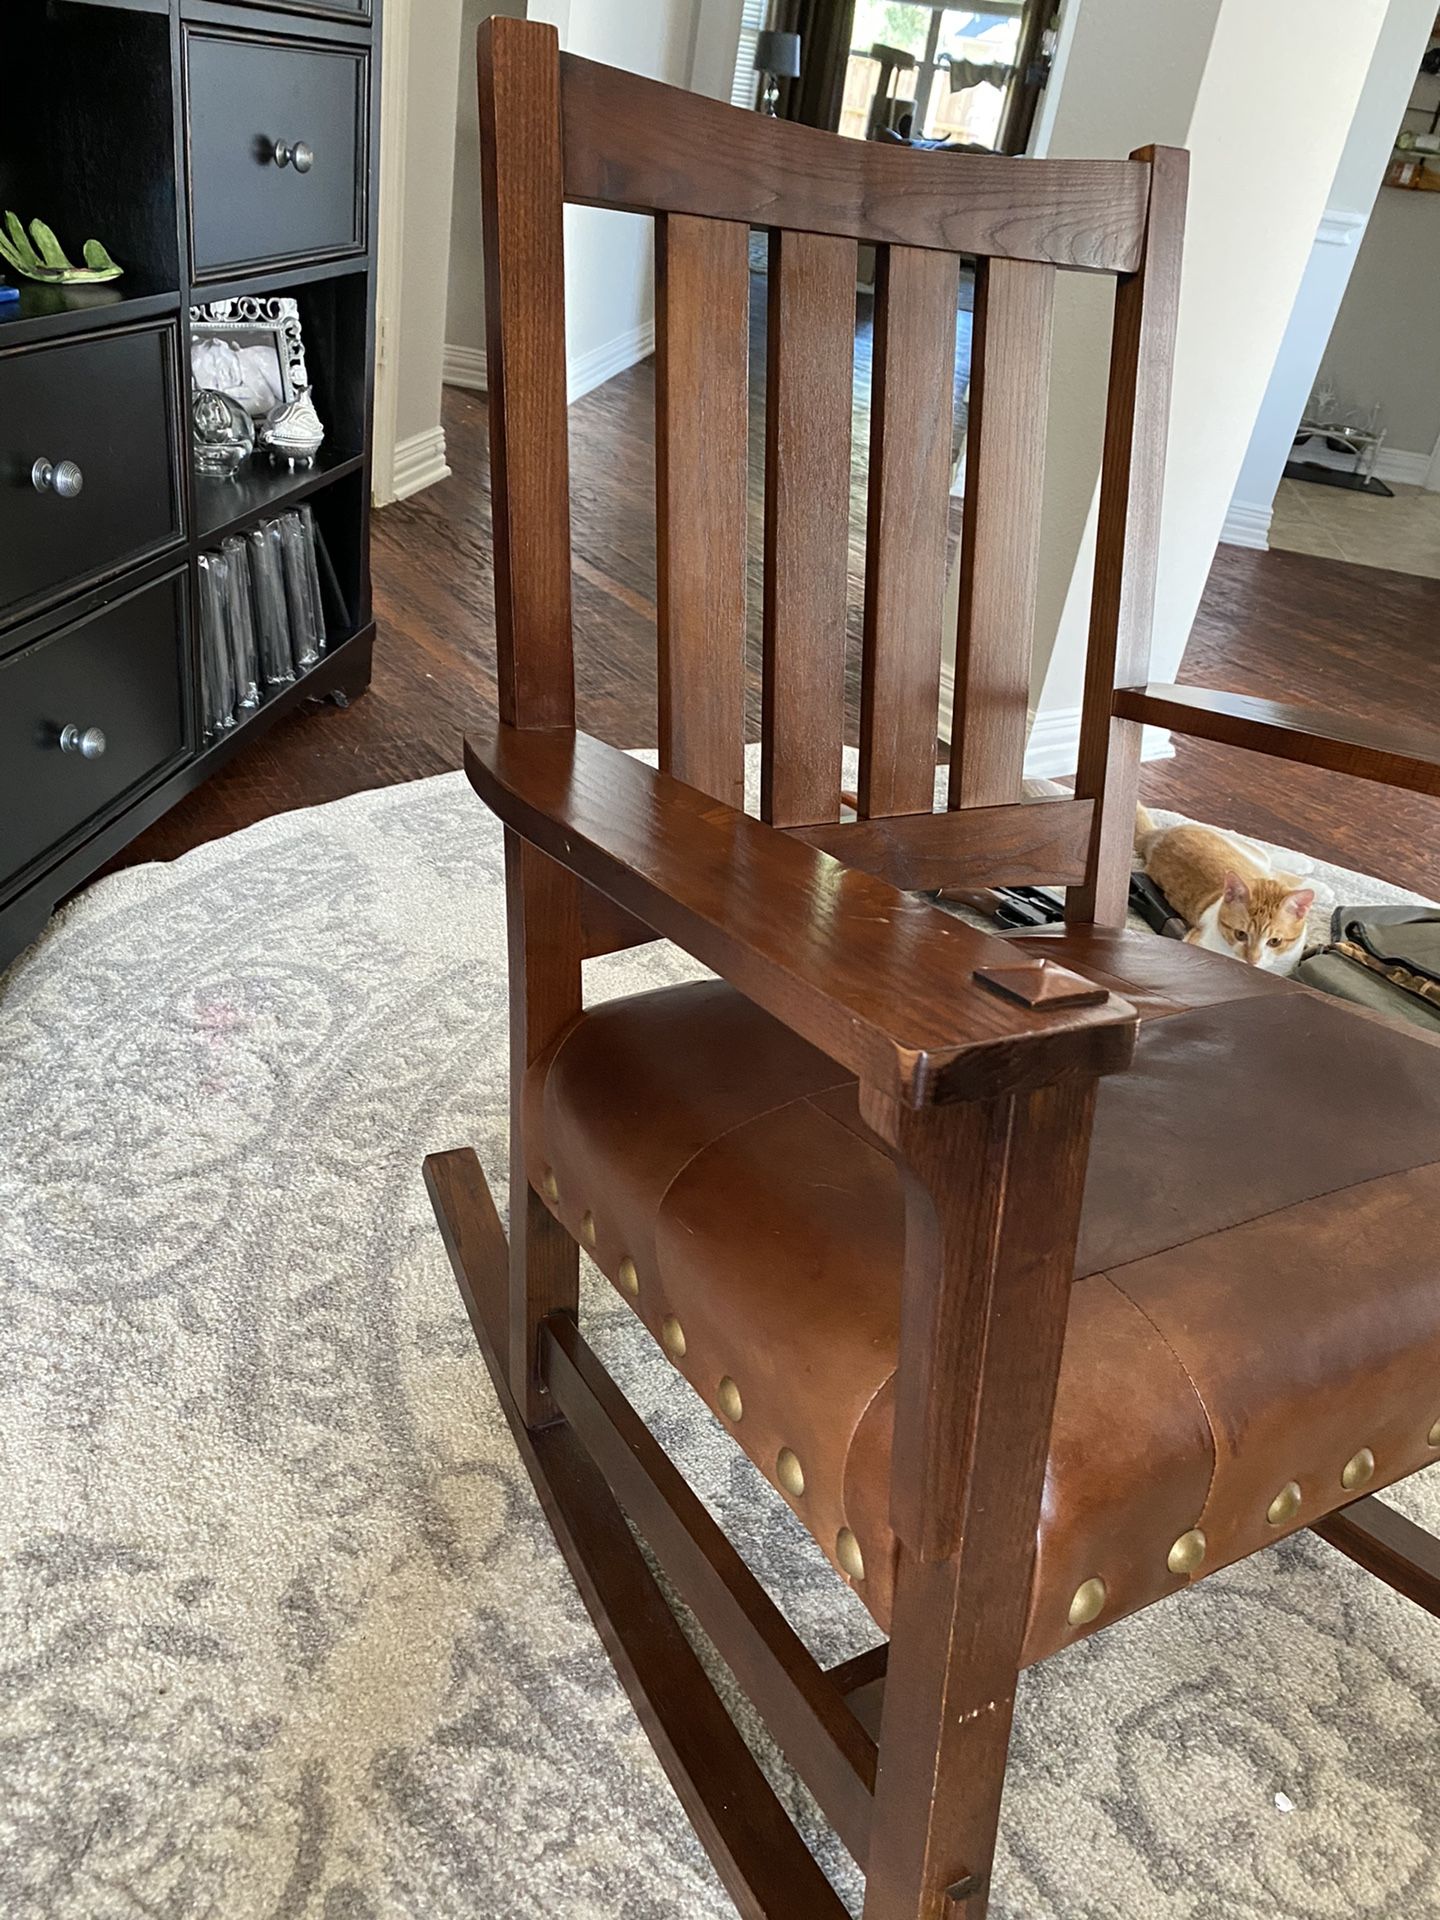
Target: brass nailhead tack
{"x": 673, "y": 1334}
{"x": 1088, "y": 1601}
{"x": 1284, "y": 1507}
{"x": 587, "y": 1227}
{"x": 549, "y": 1185}
{"x": 1433, "y": 1437}
{"x": 728, "y": 1395}
{"x": 629, "y": 1278}
{"x": 847, "y": 1552}
{"x": 790, "y": 1473}
{"x": 1187, "y": 1552}
{"x": 1357, "y": 1470}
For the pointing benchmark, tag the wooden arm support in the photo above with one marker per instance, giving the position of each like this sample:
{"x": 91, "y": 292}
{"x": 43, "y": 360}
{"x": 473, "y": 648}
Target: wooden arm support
{"x": 882, "y": 983}
{"x": 1400, "y": 756}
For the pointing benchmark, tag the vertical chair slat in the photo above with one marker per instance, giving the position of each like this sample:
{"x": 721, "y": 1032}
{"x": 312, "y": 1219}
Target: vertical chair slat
{"x": 810, "y": 374}
{"x": 1128, "y": 543}
{"x": 1000, "y": 539}
{"x": 519, "y": 76}
{"x": 912, "y": 416}
{"x": 702, "y": 452}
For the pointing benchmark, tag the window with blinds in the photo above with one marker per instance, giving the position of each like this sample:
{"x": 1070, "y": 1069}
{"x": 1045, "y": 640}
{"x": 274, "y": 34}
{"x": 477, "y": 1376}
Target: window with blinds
{"x": 752, "y": 19}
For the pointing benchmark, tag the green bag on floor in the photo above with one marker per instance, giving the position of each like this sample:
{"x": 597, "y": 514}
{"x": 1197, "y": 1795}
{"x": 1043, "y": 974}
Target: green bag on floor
{"x": 1384, "y": 958}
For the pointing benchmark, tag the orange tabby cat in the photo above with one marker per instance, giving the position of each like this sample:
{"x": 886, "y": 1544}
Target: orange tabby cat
{"x": 1227, "y": 892}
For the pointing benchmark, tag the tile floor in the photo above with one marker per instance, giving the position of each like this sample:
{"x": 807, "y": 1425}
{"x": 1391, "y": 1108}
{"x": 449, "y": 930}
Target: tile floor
{"x": 1402, "y": 534}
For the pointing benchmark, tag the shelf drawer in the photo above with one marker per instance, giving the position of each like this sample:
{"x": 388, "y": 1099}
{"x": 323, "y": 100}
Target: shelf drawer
{"x": 121, "y": 671}
{"x": 104, "y": 406}
{"x": 360, "y": 10}
{"x": 277, "y": 140}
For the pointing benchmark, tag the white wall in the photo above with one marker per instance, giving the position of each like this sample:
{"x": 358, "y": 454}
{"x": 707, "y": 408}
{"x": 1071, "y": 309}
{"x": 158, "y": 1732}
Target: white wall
{"x": 1262, "y": 163}
{"x": 1094, "y": 109}
{"x": 429, "y": 171}
{"x": 1386, "y": 343}
{"x": 610, "y": 257}
{"x": 1328, "y": 273}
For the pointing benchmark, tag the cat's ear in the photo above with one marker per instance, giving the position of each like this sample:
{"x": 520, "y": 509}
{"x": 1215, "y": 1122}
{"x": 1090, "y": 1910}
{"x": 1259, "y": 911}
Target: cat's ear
{"x": 1301, "y": 901}
{"x": 1235, "y": 889}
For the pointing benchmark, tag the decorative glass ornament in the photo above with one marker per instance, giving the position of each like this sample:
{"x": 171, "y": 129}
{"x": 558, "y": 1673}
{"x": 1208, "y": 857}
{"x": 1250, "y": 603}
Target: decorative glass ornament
{"x": 222, "y": 433}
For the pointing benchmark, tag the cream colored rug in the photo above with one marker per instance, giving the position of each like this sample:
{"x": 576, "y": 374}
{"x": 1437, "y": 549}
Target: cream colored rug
{"x": 282, "y": 1633}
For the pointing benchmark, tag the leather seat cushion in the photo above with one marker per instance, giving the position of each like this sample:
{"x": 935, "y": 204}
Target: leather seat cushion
{"x": 1257, "y": 1292}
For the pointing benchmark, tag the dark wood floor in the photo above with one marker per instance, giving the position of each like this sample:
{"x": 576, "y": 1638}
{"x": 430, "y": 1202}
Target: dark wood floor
{"x": 1351, "y": 638}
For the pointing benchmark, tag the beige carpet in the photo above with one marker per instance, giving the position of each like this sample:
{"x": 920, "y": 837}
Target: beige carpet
{"x": 282, "y": 1634}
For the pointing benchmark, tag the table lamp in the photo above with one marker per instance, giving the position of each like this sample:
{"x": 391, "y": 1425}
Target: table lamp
{"x": 777, "y": 56}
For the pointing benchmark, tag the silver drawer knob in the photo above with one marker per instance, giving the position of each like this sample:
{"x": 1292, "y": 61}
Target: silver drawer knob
{"x": 89, "y": 743}
{"x": 298, "y": 155}
{"x": 64, "y": 480}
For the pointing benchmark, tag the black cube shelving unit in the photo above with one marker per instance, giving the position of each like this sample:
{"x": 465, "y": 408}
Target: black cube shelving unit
{"x": 157, "y": 130}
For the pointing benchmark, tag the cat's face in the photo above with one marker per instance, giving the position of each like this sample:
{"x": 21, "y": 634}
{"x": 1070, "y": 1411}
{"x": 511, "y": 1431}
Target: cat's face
{"x": 1263, "y": 923}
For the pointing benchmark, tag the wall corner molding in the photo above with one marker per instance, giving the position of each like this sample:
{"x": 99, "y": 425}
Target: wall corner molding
{"x": 420, "y": 462}
{"x": 465, "y": 367}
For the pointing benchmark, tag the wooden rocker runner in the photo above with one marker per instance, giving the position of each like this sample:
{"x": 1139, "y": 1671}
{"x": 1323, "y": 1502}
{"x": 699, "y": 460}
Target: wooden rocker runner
{"x": 966, "y": 1241}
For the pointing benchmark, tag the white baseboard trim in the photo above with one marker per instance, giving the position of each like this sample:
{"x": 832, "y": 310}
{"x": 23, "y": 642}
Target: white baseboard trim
{"x": 420, "y": 462}
{"x": 1247, "y": 525}
{"x": 1403, "y": 469}
{"x": 590, "y": 370}
{"x": 1054, "y": 746}
{"x": 1394, "y": 465}
{"x": 465, "y": 367}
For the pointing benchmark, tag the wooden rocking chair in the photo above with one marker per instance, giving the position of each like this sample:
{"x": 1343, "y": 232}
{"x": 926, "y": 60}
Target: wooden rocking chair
{"x": 969, "y": 1242}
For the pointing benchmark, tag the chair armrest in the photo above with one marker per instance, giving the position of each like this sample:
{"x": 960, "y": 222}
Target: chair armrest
{"x": 1400, "y": 756}
{"x": 876, "y": 979}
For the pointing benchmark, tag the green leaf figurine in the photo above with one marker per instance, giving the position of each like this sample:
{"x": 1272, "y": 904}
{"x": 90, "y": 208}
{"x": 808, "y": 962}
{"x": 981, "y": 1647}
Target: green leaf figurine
{"x": 38, "y": 255}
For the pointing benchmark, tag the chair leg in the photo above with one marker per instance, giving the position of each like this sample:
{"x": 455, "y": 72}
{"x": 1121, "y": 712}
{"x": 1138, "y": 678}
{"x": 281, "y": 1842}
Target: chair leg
{"x": 544, "y": 944}
{"x": 943, "y": 1747}
{"x": 993, "y": 1194}
{"x": 1403, "y": 1555}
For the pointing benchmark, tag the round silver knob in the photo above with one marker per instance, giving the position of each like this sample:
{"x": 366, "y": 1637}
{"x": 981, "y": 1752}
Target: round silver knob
{"x": 64, "y": 480}
{"x": 296, "y": 155}
{"x": 89, "y": 743}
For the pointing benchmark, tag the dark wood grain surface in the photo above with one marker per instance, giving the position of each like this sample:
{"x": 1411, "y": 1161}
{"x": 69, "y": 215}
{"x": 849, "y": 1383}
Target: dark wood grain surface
{"x": 1283, "y": 626}
{"x": 702, "y": 291}
{"x": 878, "y": 980}
{"x": 520, "y": 162}
{"x": 1395, "y": 753}
{"x": 809, "y": 382}
{"x": 632, "y": 143}
{"x": 1127, "y": 542}
{"x": 906, "y": 530}
{"x": 1000, "y": 535}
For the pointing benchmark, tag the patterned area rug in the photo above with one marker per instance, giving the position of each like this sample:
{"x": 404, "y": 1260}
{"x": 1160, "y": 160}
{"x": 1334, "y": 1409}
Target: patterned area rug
{"x": 282, "y": 1633}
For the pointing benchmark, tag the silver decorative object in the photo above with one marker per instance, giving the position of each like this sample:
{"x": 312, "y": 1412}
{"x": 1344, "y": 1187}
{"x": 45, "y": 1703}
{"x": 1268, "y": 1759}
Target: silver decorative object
{"x": 222, "y": 433}
{"x": 262, "y": 335}
{"x": 292, "y": 433}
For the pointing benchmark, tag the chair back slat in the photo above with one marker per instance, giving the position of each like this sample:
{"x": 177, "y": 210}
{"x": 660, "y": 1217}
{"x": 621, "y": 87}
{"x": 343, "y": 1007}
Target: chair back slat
{"x": 702, "y": 341}
{"x": 810, "y": 364}
{"x": 911, "y": 427}
{"x": 1127, "y": 548}
{"x": 1000, "y": 537}
{"x": 555, "y": 128}
{"x": 526, "y": 374}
